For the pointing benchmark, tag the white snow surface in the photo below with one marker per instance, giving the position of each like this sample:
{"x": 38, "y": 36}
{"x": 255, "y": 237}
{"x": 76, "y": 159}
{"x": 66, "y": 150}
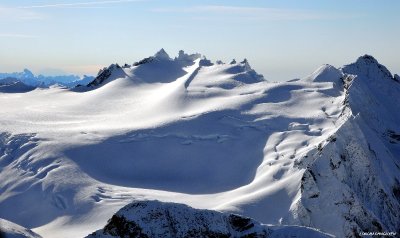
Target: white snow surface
{"x": 212, "y": 136}
{"x": 12, "y": 230}
{"x": 325, "y": 73}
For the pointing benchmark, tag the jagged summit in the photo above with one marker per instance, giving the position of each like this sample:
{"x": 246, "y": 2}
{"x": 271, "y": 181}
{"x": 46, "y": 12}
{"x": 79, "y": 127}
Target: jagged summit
{"x": 246, "y": 64}
{"x": 183, "y": 58}
{"x": 369, "y": 59}
{"x": 28, "y": 73}
{"x": 162, "y": 55}
{"x": 162, "y": 68}
{"x": 105, "y": 74}
{"x": 367, "y": 67}
{"x": 188, "y": 58}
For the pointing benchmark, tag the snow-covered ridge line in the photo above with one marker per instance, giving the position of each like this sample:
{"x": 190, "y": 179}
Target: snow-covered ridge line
{"x": 12, "y": 230}
{"x": 353, "y": 178}
{"x": 157, "y": 219}
{"x": 161, "y": 61}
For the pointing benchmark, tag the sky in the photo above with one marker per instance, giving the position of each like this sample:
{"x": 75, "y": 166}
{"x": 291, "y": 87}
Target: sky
{"x": 282, "y": 39}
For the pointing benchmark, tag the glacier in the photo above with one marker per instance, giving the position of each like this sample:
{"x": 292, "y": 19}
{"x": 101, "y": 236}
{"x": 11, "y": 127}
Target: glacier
{"x": 321, "y": 152}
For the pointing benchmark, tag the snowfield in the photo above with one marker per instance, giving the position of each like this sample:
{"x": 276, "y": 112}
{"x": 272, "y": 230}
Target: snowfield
{"x": 321, "y": 152}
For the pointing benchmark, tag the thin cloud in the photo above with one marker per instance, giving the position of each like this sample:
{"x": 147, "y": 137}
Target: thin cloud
{"x": 216, "y": 9}
{"x": 253, "y": 12}
{"x": 79, "y": 4}
{"x": 18, "y": 14}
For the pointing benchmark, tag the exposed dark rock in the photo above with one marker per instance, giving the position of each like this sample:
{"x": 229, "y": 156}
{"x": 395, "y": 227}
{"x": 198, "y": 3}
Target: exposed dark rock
{"x": 144, "y": 61}
{"x": 103, "y": 75}
{"x": 119, "y": 226}
{"x": 240, "y": 223}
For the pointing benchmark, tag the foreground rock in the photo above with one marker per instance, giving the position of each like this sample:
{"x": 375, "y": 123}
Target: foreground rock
{"x": 158, "y": 219}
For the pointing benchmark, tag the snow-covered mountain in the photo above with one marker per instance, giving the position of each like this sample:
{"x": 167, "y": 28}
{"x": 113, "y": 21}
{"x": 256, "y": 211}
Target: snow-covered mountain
{"x": 157, "y": 219}
{"x": 351, "y": 181}
{"x": 11, "y": 85}
{"x": 321, "y": 152}
{"x": 12, "y": 230}
{"x": 28, "y": 78}
{"x": 160, "y": 68}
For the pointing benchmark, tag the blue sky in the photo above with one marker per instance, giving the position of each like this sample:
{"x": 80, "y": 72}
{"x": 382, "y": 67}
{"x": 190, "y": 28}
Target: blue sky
{"x": 282, "y": 39}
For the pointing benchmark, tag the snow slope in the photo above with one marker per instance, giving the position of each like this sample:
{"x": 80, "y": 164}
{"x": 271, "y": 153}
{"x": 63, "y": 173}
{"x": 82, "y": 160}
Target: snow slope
{"x": 212, "y": 136}
{"x": 352, "y": 179}
{"x": 12, "y": 230}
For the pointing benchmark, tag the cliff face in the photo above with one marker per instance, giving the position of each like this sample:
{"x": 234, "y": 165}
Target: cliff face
{"x": 351, "y": 180}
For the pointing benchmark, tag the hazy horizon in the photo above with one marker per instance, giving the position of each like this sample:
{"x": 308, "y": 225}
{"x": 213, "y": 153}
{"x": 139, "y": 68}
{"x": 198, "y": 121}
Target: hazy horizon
{"x": 281, "y": 39}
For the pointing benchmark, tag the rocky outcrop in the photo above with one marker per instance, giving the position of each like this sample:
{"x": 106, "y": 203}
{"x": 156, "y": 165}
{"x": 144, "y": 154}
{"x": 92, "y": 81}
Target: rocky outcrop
{"x": 104, "y": 74}
{"x": 157, "y": 219}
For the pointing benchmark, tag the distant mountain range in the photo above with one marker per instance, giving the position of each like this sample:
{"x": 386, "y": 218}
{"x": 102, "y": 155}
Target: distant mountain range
{"x": 28, "y": 78}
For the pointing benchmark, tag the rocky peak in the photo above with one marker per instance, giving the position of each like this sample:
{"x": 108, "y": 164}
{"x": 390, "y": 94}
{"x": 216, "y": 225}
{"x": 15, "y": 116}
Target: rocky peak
{"x": 28, "y": 74}
{"x": 246, "y": 64}
{"x": 243, "y": 72}
{"x": 104, "y": 74}
{"x": 205, "y": 62}
{"x": 186, "y": 59}
{"x": 368, "y": 67}
{"x": 369, "y": 59}
{"x": 182, "y": 56}
{"x": 162, "y": 55}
